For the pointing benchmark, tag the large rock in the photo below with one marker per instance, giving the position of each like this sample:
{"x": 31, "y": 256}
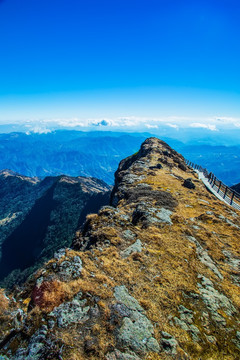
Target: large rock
{"x": 135, "y": 332}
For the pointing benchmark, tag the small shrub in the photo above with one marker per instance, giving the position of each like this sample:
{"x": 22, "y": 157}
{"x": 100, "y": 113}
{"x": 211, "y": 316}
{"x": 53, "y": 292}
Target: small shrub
{"x": 3, "y": 302}
{"x": 49, "y": 294}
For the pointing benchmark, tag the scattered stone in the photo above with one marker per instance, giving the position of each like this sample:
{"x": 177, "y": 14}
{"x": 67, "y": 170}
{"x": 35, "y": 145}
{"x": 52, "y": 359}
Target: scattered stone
{"x": 195, "y": 227}
{"x": 181, "y": 323}
{"x": 166, "y": 335}
{"x": 70, "y": 269}
{"x": 229, "y": 222}
{"x": 60, "y": 253}
{"x": 136, "y": 247}
{"x": 118, "y": 355}
{"x": 169, "y": 345}
{"x": 206, "y": 202}
{"x": 128, "y": 234}
{"x": 185, "y": 314}
{"x": 155, "y": 167}
{"x": 123, "y": 297}
{"x": 211, "y": 339}
{"x": 71, "y": 312}
{"x": 189, "y": 184}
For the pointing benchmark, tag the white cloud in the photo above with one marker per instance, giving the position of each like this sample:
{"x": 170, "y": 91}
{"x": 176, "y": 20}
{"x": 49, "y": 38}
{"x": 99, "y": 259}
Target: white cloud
{"x": 134, "y": 123}
{"x": 150, "y": 126}
{"x": 204, "y": 126}
{"x": 174, "y": 126}
{"x": 38, "y": 130}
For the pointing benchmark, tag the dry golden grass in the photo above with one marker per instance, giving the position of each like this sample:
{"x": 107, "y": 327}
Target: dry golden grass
{"x": 161, "y": 276}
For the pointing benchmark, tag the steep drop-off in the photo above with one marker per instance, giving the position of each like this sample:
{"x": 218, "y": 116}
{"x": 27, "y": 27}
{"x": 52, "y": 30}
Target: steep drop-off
{"x": 153, "y": 276}
{"x": 39, "y": 217}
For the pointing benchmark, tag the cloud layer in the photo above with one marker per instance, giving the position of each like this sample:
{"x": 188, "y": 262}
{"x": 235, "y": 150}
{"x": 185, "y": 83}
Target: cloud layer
{"x": 132, "y": 123}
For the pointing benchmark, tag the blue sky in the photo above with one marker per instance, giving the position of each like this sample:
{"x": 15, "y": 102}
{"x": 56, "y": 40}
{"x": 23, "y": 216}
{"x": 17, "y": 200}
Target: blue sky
{"x": 91, "y": 59}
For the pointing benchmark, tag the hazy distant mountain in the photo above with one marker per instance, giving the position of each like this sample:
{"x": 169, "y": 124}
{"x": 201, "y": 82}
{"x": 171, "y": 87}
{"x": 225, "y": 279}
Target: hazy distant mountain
{"x": 223, "y": 161}
{"x": 97, "y": 154}
{"x": 66, "y": 152}
{"x": 38, "y": 217}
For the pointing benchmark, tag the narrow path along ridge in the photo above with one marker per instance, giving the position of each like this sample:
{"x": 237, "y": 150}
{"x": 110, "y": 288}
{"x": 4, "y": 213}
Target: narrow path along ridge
{"x": 217, "y": 188}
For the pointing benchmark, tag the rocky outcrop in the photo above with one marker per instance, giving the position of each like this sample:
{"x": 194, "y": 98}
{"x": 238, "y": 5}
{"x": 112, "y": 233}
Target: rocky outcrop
{"x": 151, "y": 276}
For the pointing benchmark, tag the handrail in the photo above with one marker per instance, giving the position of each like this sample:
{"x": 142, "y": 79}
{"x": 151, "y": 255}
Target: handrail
{"x": 229, "y": 195}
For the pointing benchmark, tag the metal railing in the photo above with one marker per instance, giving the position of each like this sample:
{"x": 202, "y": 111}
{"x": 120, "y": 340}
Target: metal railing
{"x": 225, "y": 192}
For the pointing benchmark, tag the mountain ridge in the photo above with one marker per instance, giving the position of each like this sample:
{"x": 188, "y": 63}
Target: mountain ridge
{"x": 156, "y": 276}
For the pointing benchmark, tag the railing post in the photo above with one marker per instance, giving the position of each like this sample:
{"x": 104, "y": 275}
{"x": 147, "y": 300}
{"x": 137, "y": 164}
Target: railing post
{"x": 219, "y": 187}
{"x": 211, "y": 177}
{"x": 214, "y": 180}
{"x": 232, "y": 198}
{"x": 225, "y": 192}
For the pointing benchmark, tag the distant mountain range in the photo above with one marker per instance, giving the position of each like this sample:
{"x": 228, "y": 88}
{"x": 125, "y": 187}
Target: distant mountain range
{"x": 97, "y": 154}
{"x": 38, "y": 217}
{"x": 66, "y": 152}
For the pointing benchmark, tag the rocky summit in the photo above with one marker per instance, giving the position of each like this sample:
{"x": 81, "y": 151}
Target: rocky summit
{"x": 153, "y": 275}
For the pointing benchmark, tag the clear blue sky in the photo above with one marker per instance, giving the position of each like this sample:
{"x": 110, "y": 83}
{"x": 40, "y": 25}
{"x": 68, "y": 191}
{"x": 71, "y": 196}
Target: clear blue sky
{"x": 117, "y": 57}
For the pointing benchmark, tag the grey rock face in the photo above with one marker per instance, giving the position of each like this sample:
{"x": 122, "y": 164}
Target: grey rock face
{"x": 186, "y": 322}
{"x": 35, "y": 348}
{"x": 132, "y": 178}
{"x": 71, "y": 312}
{"x": 136, "y": 331}
{"x": 169, "y": 345}
{"x": 204, "y": 257}
{"x": 164, "y": 216}
{"x": 118, "y": 355}
{"x": 60, "y": 253}
{"x": 123, "y": 297}
{"x": 69, "y": 269}
{"x": 214, "y": 300}
{"x": 236, "y": 341}
{"x": 128, "y": 234}
{"x": 149, "y": 215}
{"x": 229, "y": 222}
{"x": 136, "y": 247}
{"x": 234, "y": 263}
